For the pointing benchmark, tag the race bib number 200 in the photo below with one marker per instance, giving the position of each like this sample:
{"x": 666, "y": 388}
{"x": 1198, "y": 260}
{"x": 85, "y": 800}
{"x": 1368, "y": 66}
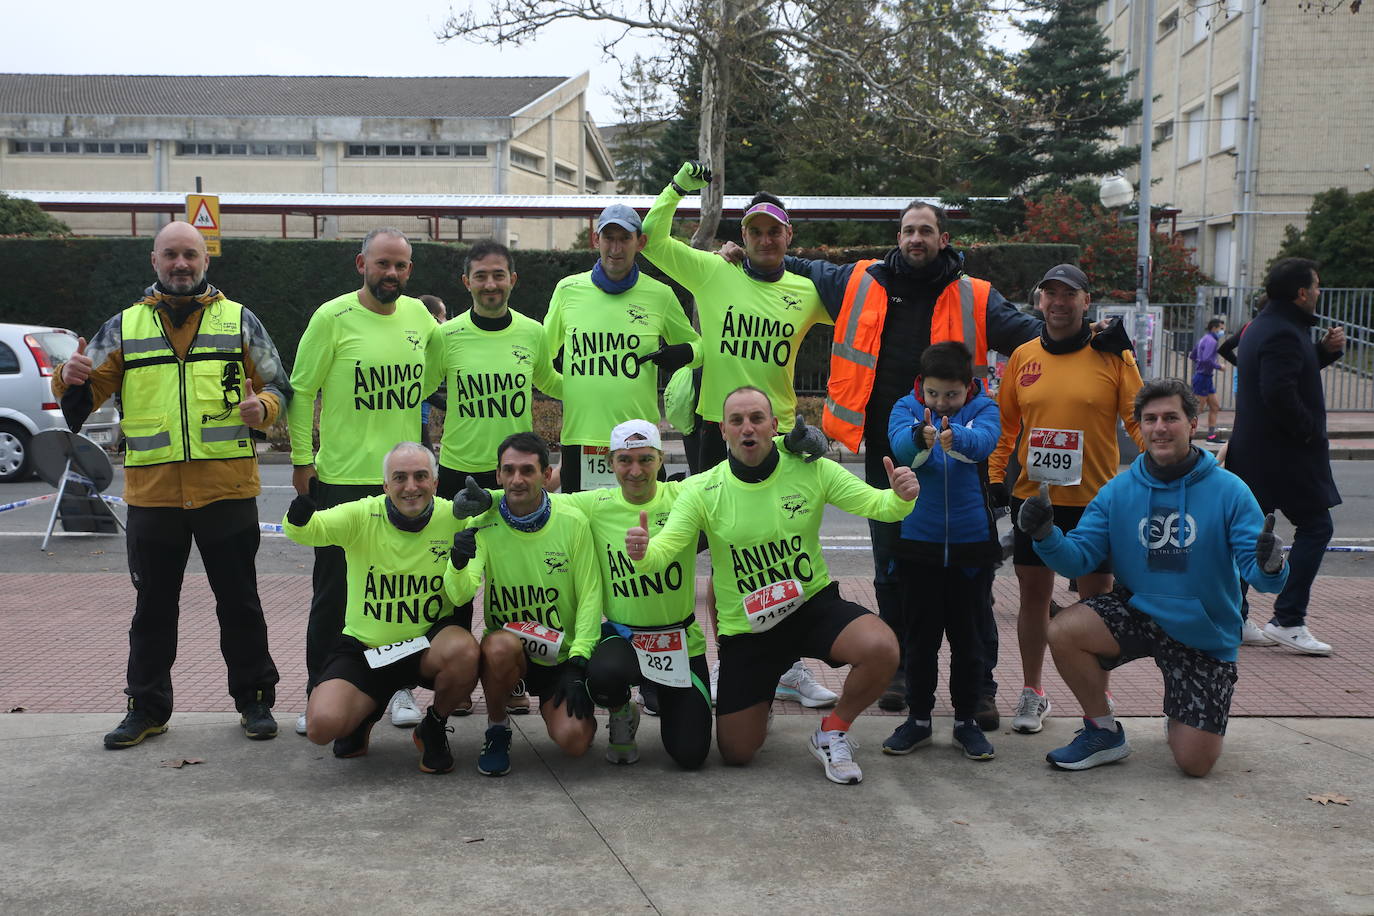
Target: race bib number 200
{"x": 768, "y": 606}
{"x": 541, "y": 643}
{"x": 1055, "y": 456}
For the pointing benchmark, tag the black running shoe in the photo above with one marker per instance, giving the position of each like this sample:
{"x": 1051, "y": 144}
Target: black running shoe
{"x": 257, "y": 722}
{"x": 355, "y": 744}
{"x": 431, "y": 737}
{"x": 986, "y": 714}
{"x": 136, "y": 726}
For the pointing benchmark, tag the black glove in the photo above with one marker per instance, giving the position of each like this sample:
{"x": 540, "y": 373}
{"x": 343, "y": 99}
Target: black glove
{"x": 678, "y": 476}
{"x": 1269, "y": 547}
{"x": 464, "y": 548}
{"x": 693, "y": 176}
{"x": 300, "y": 510}
{"x": 471, "y": 501}
{"x": 1113, "y": 339}
{"x": 670, "y": 358}
{"x": 806, "y": 440}
{"x": 1037, "y": 515}
{"x": 999, "y": 494}
{"x": 572, "y": 686}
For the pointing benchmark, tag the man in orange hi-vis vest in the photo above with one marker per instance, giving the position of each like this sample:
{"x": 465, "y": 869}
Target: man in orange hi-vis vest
{"x": 886, "y": 313}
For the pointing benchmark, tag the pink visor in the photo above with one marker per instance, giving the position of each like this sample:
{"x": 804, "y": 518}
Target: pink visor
{"x": 778, "y": 213}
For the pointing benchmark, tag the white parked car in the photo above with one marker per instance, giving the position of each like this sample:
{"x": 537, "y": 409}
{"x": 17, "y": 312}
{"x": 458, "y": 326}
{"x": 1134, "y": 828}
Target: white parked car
{"x": 28, "y": 354}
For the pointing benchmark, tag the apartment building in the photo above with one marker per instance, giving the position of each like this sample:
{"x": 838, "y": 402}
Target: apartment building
{"x": 1257, "y": 107}
{"x": 331, "y": 134}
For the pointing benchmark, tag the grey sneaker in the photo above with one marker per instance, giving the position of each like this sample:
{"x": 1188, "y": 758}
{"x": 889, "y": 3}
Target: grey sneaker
{"x": 835, "y": 751}
{"x": 620, "y": 745}
{"x": 797, "y": 683}
{"x": 1031, "y": 711}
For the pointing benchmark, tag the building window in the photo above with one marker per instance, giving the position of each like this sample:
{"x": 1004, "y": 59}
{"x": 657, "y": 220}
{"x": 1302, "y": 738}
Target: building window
{"x": 1227, "y": 103}
{"x": 1199, "y": 19}
{"x": 1221, "y": 254}
{"x": 592, "y": 185}
{"x": 277, "y": 150}
{"x": 1189, "y": 239}
{"x": 1168, "y": 24}
{"x": 521, "y": 159}
{"x": 1164, "y": 131}
{"x": 80, "y": 148}
{"x": 1197, "y": 128}
{"x": 565, "y": 174}
{"x": 416, "y": 150}
{"x": 1234, "y": 8}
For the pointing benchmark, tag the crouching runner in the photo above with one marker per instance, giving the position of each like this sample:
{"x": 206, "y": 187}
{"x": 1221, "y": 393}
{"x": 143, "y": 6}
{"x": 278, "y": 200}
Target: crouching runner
{"x": 541, "y": 602}
{"x": 399, "y": 628}
{"x": 1180, "y": 533}
{"x": 761, "y": 510}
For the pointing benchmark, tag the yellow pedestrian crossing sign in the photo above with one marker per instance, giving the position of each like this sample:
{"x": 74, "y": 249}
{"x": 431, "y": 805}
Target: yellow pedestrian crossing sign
{"x": 202, "y": 212}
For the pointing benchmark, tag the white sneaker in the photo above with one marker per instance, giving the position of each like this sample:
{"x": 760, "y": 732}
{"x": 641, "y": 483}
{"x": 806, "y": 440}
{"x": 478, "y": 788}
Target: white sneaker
{"x": 403, "y": 711}
{"x": 798, "y": 684}
{"x": 1297, "y": 638}
{"x": 1251, "y": 635}
{"x": 715, "y": 679}
{"x": 300, "y": 724}
{"x": 835, "y": 751}
{"x": 1031, "y": 711}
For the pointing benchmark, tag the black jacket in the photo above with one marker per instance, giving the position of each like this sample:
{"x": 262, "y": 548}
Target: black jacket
{"x": 1279, "y": 445}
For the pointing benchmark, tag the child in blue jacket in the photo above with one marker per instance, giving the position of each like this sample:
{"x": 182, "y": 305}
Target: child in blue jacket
{"x": 945, "y": 430}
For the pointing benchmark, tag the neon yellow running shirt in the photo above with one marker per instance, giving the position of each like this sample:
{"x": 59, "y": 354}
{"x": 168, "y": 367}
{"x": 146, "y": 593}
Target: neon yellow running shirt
{"x": 601, "y": 334}
{"x": 750, "y": 329}
{"x": 628, "y": 595}
{"x": 546, "y": 576}
{"x": 767, "y": 532}
{"x": 395, "y": 578}
{"x": 491, "y": 376}
{"x": 370, "y": 373}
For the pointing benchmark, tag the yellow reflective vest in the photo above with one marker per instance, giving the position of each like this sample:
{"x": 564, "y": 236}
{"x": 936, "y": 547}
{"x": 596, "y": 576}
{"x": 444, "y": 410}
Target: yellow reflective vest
{"x": 187, "y": 409}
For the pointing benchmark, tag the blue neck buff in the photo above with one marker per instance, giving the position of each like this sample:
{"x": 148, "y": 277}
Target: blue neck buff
{"x": 527, "y": 523}
{"x": 771, "y": 276}
{"x": 614, "y": 287}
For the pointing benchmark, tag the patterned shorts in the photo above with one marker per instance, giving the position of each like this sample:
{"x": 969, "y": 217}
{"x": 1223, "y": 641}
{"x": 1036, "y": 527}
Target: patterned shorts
{"x": 1197, "y": 687}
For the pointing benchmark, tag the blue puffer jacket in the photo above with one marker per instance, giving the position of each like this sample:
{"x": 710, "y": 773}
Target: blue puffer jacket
{"x": 951, "y": 524}
{"x": 1182, "y": 548}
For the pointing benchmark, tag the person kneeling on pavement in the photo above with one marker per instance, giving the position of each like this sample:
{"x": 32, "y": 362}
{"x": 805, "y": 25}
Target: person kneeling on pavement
{"x": 761, "y": 510}
{"x": 945, "y": 430}
{"x": 1181, "y": 533}
{"x": 399, "y": 628}
{"x": 541, "y": 604}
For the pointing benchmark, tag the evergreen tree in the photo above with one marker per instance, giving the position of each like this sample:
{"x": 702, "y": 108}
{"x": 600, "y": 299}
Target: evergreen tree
{"x": 1339, "y": 227}
{"x": 643, "y": 118}
{"x": 21, "y": 216}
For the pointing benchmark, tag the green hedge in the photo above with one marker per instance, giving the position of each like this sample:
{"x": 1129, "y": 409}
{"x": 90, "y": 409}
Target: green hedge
{"x": 78, "y": 283}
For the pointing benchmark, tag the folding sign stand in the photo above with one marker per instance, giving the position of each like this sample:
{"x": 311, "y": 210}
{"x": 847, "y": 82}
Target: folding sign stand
{"x": 81, "y": 471}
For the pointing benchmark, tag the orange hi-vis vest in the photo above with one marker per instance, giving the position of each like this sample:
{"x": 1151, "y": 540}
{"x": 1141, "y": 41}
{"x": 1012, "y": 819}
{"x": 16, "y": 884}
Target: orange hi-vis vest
{"x": 960, "y": 314}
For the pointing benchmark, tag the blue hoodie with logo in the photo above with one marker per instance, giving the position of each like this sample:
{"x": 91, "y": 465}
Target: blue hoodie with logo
{"x": 1180, "y": 547}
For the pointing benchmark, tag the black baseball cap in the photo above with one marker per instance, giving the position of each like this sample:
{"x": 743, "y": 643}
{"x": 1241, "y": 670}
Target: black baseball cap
{"x": 1067, "y": 274}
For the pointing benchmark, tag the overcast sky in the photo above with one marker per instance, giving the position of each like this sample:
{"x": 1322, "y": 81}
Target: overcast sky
{"x": 281, "y": 37}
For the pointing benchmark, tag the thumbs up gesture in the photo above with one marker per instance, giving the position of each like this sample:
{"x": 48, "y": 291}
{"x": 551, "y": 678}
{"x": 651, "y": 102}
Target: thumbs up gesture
{"x": 637, "y": 539}
{"x": 251, "y": 409}
{"x": 946, "y": 434}
{"x": 1036, "y": 518}
{"x": 903, "y": 480}
{"x": 471, "y": 501}
{"x": 77, "y": 369}
{"x": 1269, "y": 547}
{"x": 804, "y": 440}
{"x": 926, "y": 433}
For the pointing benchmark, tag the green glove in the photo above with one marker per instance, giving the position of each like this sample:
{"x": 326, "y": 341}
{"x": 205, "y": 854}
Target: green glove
{"x": 693, "y": 176}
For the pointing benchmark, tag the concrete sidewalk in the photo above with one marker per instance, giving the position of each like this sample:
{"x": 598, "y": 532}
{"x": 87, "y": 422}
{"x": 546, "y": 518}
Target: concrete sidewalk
{"x": 283, "y": 827}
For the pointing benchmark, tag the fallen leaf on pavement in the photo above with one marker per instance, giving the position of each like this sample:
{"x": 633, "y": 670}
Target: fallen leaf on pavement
{"x": 17, "y": 709}
{"x": 1329, "y": 798}
{"x": 177, "y": 763}
{"x": 962, "y": 823}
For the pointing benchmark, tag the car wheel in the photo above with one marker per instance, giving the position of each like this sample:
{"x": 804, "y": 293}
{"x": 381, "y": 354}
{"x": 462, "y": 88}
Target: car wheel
{"x": 16, "y": 461}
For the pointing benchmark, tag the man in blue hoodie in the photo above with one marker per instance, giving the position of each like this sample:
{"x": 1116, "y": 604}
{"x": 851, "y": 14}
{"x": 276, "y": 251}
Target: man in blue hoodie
{"x": 1181, "y": 534}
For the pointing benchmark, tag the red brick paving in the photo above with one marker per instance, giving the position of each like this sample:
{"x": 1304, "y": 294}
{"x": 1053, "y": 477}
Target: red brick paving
{"x": 65, "y": 646}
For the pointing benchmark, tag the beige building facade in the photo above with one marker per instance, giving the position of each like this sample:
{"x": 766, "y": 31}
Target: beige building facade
{"x": 355, "y": 135}
{"x": 1257, "y": 107}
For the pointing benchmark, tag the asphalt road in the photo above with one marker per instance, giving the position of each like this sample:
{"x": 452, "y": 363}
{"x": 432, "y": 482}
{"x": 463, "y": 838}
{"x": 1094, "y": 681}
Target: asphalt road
{"x": 844, "y": 537}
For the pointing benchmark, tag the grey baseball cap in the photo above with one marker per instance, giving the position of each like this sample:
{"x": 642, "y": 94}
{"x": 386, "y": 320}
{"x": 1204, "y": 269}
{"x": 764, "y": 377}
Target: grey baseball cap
{"x": 620, "y": 215}
{"x": 1067, "y": 274}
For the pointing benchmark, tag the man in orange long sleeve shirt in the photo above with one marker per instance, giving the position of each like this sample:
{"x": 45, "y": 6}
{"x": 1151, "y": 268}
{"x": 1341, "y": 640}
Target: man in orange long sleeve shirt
{"x": 1065, "y": 390}
{"x": 195, "y": 371}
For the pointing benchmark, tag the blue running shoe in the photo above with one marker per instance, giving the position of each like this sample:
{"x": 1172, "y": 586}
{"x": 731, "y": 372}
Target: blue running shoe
{"x": 908, "y": 736}
{"x": 969, "y": 736}
{"x": 1091, "y": 747}
{"x": 495, "y": 757}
